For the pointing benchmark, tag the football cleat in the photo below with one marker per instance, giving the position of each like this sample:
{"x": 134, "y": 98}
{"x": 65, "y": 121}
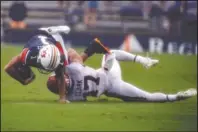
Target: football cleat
{"x": 56, "y": 29}
{"x": 98, "y": 47}
{"x": 186, "y": 94}
{"x": 150, "y": 62}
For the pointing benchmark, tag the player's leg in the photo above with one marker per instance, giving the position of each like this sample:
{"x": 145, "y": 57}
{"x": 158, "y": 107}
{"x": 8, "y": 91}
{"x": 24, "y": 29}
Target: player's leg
{"x": 110, "y": 68}
{"x": 94, "y": 47}
{"x": 111, "y": 65}
{"x": 125, "y": 56}
{"x": 129, "y": 92}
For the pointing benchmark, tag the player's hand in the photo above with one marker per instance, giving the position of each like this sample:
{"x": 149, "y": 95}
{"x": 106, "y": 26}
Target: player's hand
{"x": 63, "y": 101}
{"x": 67, "y": 101}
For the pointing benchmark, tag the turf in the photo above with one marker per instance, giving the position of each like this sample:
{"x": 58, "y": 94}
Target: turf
{"x": 33, "y": 107}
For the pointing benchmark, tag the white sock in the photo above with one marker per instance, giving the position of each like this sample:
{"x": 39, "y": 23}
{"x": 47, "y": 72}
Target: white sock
{"x": 125, "y": 56}
{"x": 171, "y": 97}
{"x": 161, "y": 97}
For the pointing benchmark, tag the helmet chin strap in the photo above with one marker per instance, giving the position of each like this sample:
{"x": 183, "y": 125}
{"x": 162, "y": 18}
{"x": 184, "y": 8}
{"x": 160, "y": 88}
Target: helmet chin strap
{"x": 42, "y": 71}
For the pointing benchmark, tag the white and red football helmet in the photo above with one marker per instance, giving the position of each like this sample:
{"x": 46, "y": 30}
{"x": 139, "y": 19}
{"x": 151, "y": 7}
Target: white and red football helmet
{"x": 49, "y": 57}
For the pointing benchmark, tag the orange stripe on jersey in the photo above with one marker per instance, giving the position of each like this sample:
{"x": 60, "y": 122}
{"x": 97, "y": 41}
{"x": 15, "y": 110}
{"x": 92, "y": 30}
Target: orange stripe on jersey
{"x": 23, "y": 55}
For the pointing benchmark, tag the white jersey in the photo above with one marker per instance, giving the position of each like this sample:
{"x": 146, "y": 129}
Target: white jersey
{"x": 85, "y": 81}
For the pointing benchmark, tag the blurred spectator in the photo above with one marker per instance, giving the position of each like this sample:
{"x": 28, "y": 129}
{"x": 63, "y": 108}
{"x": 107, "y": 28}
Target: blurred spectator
{"x": 18, "y": 12}
{"x": 91, "y": 13}
{"x": 157, "y": 13}
{"x": 174, "y": 16}
{"x": 65, "y": 6}
{"x": 133, "y": 9}
{"x": 146, "y": 6}
{"x": 108, "y": 6}
{"x": 76, "y": 15}
{"x": 128, "y": 11}
{"x": 60, "y": 3}
{"x": 189, "y": 19}
{"x": 73, "y": 11}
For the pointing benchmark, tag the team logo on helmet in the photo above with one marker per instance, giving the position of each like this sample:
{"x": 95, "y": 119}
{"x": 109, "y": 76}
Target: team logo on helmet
{"x": 43, "y": 54}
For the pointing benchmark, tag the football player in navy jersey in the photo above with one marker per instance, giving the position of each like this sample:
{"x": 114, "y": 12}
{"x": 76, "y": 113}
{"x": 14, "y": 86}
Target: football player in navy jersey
{"x": 47, "y": 53}
{"x": 44, "y": 51}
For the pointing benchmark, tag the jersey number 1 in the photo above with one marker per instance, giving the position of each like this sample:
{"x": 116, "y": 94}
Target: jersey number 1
{"x": 87, "y": 78}
{"x": 43, "y": 40}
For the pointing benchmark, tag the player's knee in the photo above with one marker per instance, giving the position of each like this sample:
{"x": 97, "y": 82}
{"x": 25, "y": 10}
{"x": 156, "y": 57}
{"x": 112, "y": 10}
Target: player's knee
{"x": 71, "y": 51}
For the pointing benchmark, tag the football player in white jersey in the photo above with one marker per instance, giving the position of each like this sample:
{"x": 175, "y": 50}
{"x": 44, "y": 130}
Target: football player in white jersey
{"x": 83, "y": 81}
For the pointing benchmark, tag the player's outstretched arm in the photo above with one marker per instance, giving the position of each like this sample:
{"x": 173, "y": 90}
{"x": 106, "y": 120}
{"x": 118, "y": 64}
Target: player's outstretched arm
{"x": 62, "y": 88}
{"x": 18, "y": 71}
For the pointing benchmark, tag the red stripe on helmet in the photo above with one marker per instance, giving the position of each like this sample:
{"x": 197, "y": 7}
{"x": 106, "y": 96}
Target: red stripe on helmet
{"x": 58, "y": 45}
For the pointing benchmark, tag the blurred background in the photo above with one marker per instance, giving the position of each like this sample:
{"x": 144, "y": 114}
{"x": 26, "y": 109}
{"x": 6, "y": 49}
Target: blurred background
{"x": 154, "y": 26}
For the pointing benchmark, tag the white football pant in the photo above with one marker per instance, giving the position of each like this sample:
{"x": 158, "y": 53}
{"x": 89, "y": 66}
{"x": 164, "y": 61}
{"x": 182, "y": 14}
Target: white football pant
{"x": 125, "y": 91}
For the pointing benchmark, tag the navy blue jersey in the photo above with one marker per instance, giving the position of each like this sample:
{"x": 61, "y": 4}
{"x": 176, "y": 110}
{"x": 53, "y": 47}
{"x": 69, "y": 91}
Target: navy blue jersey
{"x": 31, "y": 50}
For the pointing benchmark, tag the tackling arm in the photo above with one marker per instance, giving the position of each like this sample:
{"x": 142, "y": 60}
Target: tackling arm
{"x": 62, "y": 88}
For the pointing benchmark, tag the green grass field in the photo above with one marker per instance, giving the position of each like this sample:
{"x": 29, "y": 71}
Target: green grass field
{"x": 33, "y": 107}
